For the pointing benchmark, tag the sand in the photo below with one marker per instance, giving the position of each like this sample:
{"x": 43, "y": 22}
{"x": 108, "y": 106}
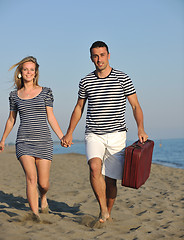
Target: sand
{"x": 154, "y": 211}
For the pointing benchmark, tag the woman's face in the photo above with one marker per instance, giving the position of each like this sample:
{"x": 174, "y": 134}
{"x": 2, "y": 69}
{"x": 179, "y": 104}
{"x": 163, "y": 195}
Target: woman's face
{"x": 28, "y": 71}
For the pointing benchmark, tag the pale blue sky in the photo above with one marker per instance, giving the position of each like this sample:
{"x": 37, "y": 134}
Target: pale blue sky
{"x": 145, "y": 39}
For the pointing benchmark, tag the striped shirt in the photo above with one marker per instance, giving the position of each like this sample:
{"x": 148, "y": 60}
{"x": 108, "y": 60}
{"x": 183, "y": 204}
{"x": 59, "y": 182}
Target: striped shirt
{"x": 33, "y": 116}
{"x": 106, "y": 101}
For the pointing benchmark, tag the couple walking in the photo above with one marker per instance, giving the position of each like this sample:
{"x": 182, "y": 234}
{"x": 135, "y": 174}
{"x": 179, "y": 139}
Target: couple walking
{"x": 106, "y": 90}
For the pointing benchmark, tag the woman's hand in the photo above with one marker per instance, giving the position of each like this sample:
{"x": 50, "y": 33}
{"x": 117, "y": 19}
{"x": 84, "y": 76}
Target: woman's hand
{"x": 66, "y": 140}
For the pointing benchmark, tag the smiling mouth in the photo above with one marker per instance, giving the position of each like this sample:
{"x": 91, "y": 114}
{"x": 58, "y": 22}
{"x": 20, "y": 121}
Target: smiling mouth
{"x": 100, "y": 64}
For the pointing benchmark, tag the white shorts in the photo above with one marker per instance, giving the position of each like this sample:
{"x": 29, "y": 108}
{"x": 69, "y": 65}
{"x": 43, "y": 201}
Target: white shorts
{"x": 110, "y": 148}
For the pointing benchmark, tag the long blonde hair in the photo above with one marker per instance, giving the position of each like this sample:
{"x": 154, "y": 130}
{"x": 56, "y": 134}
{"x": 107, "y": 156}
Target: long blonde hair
{"x": 18, "y": 81}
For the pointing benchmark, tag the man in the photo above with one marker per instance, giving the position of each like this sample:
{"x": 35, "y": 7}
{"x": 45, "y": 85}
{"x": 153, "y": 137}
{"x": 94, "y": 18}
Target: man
{"x": 106, "y": 90}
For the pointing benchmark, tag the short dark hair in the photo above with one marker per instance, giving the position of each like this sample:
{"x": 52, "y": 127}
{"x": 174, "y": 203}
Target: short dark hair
{"x": 98, "y": 44}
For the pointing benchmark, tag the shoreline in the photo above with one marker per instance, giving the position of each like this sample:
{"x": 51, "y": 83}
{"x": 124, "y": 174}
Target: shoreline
{"x": 154, "y": 211}
{"x": 68, "y": 151}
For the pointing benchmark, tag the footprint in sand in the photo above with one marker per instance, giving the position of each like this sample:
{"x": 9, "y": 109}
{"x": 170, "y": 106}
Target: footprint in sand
{"x": 30, "y": 217}
{"x": 92, "y": 222}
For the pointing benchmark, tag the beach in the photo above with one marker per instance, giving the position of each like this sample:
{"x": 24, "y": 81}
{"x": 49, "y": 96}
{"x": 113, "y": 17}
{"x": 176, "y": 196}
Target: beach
{"x": 154, "y": 211}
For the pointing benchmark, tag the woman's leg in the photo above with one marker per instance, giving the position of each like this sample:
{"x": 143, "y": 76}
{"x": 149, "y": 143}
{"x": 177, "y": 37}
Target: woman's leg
{"x": 43, "y": 169}
{"x": 28, "y": 164}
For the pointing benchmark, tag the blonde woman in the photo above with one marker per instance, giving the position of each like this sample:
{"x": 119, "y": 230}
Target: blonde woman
{"x": 34, "y": 145}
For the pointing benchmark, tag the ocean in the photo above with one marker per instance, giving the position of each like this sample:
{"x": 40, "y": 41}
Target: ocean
{"x": 167, "y": 152}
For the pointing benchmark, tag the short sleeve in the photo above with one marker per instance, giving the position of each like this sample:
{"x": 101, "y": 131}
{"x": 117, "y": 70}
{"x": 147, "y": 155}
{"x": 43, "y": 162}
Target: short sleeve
{"x": 12, "y": 102}
{"x": 127, "y": 84}
{"x": 49, "y": 98}
{"x": 129, "y": 88}
{"x": 82, "y": 92}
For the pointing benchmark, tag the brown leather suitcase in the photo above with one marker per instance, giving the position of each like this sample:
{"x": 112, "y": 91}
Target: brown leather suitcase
{"x": 137, "y": 166}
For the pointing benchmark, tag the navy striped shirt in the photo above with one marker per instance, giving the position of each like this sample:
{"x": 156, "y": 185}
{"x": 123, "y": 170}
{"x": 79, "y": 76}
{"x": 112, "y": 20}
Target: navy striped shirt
{"x": 33, "y": 116}
{"x": 106, "y": 101}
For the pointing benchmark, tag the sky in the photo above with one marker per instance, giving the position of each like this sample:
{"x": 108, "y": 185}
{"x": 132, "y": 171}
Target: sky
{"x": 145, "y": 39}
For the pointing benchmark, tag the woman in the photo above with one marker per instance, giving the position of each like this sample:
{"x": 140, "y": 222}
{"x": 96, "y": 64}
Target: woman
{"x": 34, "y": 146}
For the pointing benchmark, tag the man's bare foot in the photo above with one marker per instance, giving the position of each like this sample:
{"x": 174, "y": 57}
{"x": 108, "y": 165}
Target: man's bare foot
{"x": 104, "y": 217}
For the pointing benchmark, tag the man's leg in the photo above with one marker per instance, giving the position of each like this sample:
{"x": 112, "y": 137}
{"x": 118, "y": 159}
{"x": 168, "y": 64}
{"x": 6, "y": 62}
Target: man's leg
{"x": 113, "y": 165}
{"x": 99, "y": 187}
{"x": 111, "y": 192}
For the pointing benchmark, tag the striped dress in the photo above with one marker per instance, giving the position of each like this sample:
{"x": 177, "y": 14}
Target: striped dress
{"x": 106, "y": 101}
{"x": 33, "y": 136}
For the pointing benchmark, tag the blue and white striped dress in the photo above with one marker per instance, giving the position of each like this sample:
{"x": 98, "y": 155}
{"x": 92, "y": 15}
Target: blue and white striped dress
{"x": 33, "y": 136}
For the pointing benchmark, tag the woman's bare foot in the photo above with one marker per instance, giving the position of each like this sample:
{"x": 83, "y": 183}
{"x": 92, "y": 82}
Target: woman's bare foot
{"x": 32, "y": 217}
{"x": 36, "y": 218}
{"x": 45, "y": 210}
{"x": 44, "y": 204}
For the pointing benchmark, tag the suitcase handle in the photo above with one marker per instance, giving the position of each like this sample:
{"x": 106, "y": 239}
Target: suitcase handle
{"x": 138, "y": 144}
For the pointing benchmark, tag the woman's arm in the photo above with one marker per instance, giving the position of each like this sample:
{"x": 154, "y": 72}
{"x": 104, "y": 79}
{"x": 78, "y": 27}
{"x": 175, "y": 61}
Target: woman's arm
{"x": 8, "y": 127}
{"x": 53, "y": 122}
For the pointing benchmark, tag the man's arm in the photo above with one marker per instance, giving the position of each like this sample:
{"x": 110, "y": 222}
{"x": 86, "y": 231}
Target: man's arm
{"x": 75, "y": 117}
{"x": 138, "y": 115}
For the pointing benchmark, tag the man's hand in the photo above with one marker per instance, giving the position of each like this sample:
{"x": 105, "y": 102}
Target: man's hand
{"x": 142, "y": 136}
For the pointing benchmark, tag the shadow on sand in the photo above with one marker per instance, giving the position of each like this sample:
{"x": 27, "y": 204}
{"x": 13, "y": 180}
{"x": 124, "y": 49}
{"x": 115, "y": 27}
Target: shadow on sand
{"x": 9, "y": 202}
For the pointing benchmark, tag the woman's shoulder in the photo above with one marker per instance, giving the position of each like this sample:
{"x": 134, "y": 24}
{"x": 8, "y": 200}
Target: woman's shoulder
{"x": 46, "y": 89}
{"x": 13, "y": 93}
{"x": 47, "y": 92}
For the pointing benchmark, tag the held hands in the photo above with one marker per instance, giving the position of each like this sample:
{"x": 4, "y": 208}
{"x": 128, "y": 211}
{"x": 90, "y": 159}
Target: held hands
{"x": 66, "y": 141}
{"x": 1, "y": 146}
{"x": 142, "y": 136}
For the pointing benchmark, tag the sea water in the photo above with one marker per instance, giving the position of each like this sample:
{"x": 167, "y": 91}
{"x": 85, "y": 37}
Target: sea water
{"x": 167, "y": 152}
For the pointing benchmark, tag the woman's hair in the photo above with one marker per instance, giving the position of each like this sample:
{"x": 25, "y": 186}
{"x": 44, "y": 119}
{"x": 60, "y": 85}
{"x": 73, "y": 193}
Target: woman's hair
{"x": 18, "y": 81}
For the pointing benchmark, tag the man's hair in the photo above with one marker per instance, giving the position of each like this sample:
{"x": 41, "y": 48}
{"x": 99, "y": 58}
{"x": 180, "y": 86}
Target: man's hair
{"x": 98, "y": 44}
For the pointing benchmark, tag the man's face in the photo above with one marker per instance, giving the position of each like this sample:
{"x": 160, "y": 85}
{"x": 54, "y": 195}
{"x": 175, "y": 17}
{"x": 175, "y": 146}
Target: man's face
{"x": 100, "y": 57}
